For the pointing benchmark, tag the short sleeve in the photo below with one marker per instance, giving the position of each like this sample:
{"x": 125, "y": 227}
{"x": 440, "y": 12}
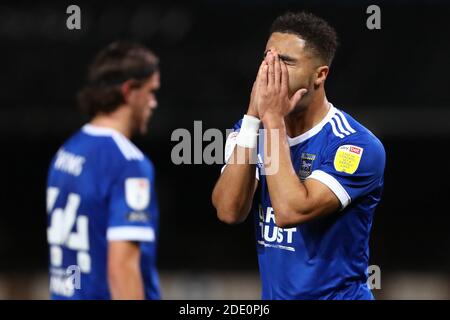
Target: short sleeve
{"x": 352, "y": 168}
{"x": 230, "y": 144}
{"x": 132, "y": 204}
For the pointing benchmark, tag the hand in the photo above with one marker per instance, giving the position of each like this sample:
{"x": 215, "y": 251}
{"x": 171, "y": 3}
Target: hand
{"x": 253, "y": 105}
{"x": 273, "y": 89}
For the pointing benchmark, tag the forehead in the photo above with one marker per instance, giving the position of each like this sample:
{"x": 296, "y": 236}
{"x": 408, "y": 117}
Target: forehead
{"x": 154, "y": 80}
{"x": 286, "y": 43}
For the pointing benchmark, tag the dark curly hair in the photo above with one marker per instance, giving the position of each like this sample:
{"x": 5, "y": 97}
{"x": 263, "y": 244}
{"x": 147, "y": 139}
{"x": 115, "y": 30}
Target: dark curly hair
{"x": 320, "y": 37}
{"x": 118, "y": 62}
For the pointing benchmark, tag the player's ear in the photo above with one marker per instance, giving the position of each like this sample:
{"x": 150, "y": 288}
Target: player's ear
{"x": 127, "y": 91}
{"x": 322, "y": 73}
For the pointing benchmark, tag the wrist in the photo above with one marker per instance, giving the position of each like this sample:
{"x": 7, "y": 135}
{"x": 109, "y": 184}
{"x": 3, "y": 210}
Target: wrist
{"x": 271, "y": 120}
{"x": 252, "y": 113}
{"x": 248, "y": 135}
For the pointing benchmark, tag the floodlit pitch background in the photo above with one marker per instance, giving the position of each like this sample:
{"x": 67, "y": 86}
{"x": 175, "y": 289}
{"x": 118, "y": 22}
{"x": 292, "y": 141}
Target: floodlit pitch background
{"x": 394, "y": 80}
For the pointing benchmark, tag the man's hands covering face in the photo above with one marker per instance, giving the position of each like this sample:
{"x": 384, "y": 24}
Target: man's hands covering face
{"x": 270, "y": 93}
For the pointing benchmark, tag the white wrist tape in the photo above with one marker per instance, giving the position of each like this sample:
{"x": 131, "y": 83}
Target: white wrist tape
{"x": 248, "y": 135}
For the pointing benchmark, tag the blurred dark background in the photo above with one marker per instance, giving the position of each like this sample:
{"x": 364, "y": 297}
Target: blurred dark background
{"x": 394, "y": 80}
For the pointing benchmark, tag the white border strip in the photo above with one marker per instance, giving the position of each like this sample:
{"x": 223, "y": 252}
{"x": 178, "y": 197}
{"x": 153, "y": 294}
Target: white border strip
{"x": 130, "y": 233}
{"x": 333, "y": 184}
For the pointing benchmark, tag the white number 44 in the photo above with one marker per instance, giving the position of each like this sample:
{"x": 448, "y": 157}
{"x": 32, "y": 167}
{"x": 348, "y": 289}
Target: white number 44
{"x": 59, "y": 233}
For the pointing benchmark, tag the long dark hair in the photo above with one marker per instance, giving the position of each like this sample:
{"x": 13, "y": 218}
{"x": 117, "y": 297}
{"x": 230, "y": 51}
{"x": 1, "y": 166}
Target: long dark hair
{"x": 118, "y": 62}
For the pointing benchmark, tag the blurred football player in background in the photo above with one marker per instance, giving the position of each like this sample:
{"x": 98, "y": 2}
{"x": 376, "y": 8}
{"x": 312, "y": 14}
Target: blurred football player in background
{"x": 101, "y": 202}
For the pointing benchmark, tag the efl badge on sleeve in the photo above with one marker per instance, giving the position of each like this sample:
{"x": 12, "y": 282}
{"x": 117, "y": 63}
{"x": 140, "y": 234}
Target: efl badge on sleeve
{"x": 347, "y": 158}
{"x": 137, "y": 193}
{"x": 306, "y": 163}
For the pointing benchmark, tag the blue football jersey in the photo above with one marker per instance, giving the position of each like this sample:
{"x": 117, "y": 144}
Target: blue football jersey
{"x": 100, "y": 188}
{"x": 326, "y": 258}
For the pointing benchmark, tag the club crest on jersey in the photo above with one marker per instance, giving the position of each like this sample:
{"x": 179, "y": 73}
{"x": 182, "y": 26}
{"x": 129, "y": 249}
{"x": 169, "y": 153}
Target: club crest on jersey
{"x": 137, "y": 193}
{"x": 347, "y": 158}
{"x": 306, "y": 163}
{"x": 138, "y": 217}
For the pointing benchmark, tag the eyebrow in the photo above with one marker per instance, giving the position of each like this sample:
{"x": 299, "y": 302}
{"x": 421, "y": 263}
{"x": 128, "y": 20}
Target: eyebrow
{"x": 283, "y": 57}
{"x": 286, "y": 58}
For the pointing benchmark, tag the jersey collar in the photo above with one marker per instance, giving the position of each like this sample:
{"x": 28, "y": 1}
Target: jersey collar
{"x": 314, "y": 130}
{"x": 99, "y": 131}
